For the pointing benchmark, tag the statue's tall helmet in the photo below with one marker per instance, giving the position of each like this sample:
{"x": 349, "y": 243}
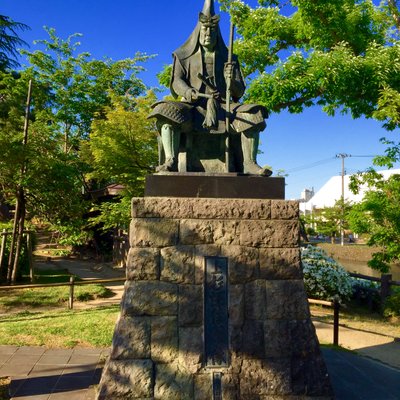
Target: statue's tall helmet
{"x": 207, "y": 16}
{"x": 208, "y": 9}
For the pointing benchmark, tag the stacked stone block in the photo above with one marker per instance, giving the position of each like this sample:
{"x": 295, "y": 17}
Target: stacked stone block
{"x": 158, "y": 345}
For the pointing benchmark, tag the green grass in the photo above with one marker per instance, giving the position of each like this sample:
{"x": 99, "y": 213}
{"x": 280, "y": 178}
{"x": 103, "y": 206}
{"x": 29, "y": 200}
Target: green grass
{"x": 334, "y": 347}
{"x": 52, "y": 276}
{"x": 50, "y": 297}
{"x": 61, "y": 329}
{"x": 356, "y": 316}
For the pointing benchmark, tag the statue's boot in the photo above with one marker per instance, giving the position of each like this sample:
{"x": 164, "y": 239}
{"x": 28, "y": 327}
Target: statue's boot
{"x": 170, "y": 165}
{"x": 170, "y": 140}
{"x": 250, "y": 142}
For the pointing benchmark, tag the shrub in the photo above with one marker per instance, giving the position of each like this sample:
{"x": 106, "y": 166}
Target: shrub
{"x": 392, "y": 304}
{"x": 324, "y": 278}
{"x": 367, "y": 293}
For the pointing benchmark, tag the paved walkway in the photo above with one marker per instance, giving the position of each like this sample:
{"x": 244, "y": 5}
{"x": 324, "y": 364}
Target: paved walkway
{"x": 358, "y": 378}
{"x": 373, "y": 345}
{"x": 385, "y": 349}
{"x": 50, "y": 374}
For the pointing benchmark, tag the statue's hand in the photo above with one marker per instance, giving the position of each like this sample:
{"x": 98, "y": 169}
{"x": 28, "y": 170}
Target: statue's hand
{"x": 191, "y": 95}
{"x": 216, "y": 95}
{"x": 228, "y": 71}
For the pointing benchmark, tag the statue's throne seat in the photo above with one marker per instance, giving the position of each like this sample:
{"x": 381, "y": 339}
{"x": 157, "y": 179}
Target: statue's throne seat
{"x": 200, "y": 149}
{"x": 205, "y": 152}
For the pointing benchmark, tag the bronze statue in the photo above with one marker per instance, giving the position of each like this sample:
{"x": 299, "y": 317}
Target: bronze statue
{"x": 203, "y": 70}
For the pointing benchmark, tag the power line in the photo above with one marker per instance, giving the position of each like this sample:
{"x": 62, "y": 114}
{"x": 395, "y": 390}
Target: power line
{"x": 311, "y": 165}
{"x": 367, "y": 156}
{"x": 326, "y": 160}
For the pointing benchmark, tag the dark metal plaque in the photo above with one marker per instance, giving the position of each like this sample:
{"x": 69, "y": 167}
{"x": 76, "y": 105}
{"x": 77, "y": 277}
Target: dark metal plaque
{"x": 217, "y": 386}
{"x": 216, "y": 338}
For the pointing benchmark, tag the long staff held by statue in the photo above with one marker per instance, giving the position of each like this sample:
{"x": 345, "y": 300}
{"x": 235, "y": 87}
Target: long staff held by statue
{"x": 228, "y": 99}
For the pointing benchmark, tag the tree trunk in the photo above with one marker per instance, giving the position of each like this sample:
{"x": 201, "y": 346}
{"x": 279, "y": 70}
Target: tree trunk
{"x": 4, "y": 210}
{"x": 13, "y": 239}
{"x": 20, "y": 236}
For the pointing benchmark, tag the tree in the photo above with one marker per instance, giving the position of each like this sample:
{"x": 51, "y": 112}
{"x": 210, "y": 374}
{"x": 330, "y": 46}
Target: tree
{"x": 122, "y": 146}
{"x": 80, "y": 87}
{"x": 9, "y": 40}
{"x": 70, "y": 92}
{"x": 327, "y": 221}
{"x": 122, "y": 149}
{"x": 342, "y": 55}
{"x": 378, "y": 216}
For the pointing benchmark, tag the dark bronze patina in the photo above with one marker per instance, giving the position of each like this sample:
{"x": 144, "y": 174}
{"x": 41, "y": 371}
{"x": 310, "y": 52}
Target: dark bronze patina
{"x": 216, "y": 338}
{"x": 203, "y": 70}
{"x": 217, "y": 386}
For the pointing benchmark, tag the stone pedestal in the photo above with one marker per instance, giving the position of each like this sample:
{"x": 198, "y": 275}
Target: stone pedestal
{"x": 220, "y": 186}
{"x": 158, "y": 349}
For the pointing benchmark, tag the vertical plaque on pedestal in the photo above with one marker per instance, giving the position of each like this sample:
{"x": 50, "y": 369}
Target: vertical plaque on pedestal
{"x": 216, "y": 337}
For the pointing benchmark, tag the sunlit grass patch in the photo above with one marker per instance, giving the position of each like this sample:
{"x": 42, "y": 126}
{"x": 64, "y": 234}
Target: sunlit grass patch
{"x": 50, "y": 296}
{"x": 61, "y": 329}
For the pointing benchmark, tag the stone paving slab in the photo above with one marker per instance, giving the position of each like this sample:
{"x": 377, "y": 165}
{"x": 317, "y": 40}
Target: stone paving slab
{"x": 38, "y": 373}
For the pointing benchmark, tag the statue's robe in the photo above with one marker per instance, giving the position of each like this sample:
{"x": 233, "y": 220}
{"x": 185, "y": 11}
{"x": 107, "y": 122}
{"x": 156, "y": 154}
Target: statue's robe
{"x": 189, "y": 62}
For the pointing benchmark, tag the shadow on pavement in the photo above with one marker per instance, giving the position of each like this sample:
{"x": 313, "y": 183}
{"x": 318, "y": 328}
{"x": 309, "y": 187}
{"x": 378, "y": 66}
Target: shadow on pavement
{"x": 47, "y": 385}
{"x": 353, "y": 378}
{"x": 359, "y": 378}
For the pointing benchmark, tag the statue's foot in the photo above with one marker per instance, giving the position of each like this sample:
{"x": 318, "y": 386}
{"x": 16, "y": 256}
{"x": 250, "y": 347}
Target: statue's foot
{"x": 169, "y": 166}
{"x": 253, "y": 168}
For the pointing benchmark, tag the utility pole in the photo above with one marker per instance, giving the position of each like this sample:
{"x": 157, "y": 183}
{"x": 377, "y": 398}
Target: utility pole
{"x": 342, "y": 156}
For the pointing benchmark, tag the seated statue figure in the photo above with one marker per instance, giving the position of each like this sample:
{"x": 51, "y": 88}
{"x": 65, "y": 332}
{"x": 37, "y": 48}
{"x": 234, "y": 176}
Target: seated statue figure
{"x": 200, "y": 76}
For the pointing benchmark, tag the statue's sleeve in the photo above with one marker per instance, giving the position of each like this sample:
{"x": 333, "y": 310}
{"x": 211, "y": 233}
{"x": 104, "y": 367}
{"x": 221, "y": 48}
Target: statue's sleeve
{"x": 179, "y": 81}
{"x": 238, "y": 86}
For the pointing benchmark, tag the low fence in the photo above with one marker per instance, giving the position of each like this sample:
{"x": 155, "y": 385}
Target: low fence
{"x": 120, "y": 248}
{"x": 336, "y": 310}
{"x": 72, "y": 283}
{"x": 386, "y": 283}
{"x": 385, "y": 280}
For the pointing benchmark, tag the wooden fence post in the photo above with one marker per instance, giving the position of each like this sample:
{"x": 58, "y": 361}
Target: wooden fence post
{"x": 385, "y": 287}
{"x": 71, "y": 292}
{"x": 29, "y": 246}
{"x": 336, "y": 308}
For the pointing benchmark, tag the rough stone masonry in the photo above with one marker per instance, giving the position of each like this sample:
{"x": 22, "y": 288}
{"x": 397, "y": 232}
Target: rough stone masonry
{"x": 158, "y": 344}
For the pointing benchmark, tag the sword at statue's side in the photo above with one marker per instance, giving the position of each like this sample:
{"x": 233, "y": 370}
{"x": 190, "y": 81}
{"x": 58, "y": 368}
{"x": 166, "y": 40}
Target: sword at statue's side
{"x": 228, "y": 99}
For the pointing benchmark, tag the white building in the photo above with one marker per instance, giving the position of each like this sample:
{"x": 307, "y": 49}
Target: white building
{"x": 332, "y": 191}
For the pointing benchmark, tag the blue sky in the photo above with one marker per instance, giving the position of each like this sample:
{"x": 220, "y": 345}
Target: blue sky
{"x": 120, "y": 28}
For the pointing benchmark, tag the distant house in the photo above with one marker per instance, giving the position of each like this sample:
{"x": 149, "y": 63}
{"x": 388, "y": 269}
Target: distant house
{"x": 332, "y": 191}
{"x": 106, "y": 193}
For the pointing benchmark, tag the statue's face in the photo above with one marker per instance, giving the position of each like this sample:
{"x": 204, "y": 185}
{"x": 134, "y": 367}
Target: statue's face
{"x": 208, "y": 36}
